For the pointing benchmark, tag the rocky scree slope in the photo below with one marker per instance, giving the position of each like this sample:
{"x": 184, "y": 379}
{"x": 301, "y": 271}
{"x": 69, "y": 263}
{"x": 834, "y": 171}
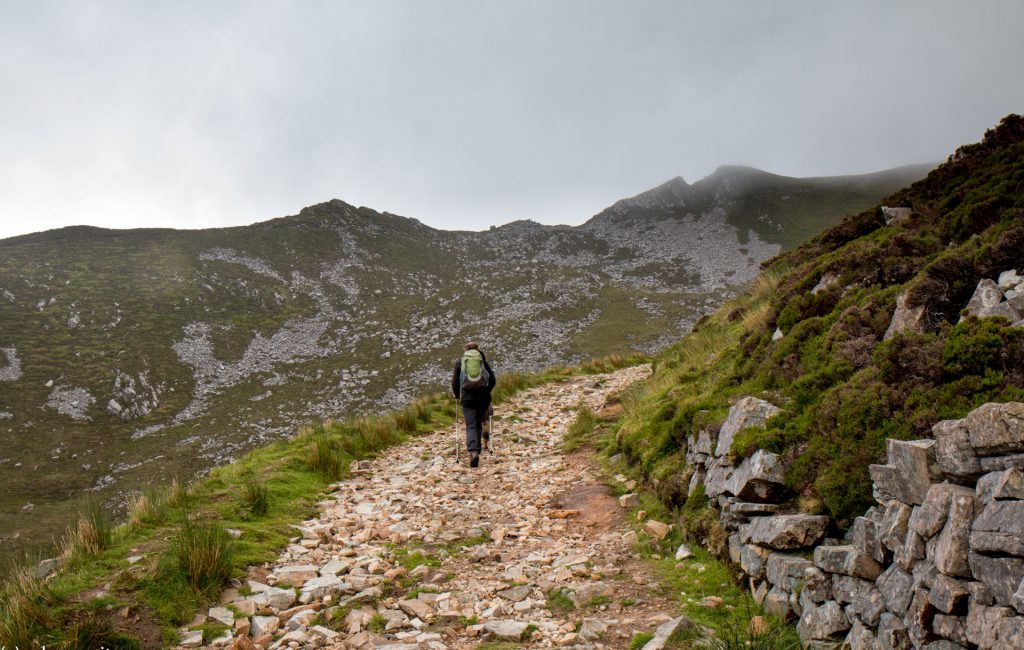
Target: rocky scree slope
{"x": 128, "y": 355}
{"x": 862, "y": 400}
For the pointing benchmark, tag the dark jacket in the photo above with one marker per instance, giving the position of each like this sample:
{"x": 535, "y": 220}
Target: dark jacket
{"x": 476, "y": 397}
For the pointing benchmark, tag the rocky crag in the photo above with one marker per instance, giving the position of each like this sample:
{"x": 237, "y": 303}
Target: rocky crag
{"x": 134, "y": 354}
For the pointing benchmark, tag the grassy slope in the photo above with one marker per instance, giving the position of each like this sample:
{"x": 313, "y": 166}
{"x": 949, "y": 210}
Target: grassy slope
{"x": 90, "y": 584}
{"x": 843, "y": 390}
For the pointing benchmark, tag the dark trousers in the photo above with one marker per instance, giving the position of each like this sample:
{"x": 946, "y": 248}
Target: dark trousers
{"x": 475, "y": 416}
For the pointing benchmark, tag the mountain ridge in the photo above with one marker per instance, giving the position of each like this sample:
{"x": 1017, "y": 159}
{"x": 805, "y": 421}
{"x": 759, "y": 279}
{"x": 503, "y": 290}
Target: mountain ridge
{"x": 674, "y": 187}
{"x": 156, "y": 352}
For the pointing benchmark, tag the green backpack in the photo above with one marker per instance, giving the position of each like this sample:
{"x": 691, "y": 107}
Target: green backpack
{"x": 473, "y": 374}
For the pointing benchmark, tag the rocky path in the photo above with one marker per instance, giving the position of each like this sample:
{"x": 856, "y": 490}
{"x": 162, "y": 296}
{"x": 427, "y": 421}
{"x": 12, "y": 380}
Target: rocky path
{"x": 418, "y": 551}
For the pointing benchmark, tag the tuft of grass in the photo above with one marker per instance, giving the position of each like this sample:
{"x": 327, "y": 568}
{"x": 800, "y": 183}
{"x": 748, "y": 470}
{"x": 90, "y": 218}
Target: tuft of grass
{"x": 324, "y": 457}
{"x": 423, "y": 409}
{"x": 201, "y": 555}
{"x": 732, "y": 631}
{"x": 179, "y": 494}
{"x": 528, "y": 632}
{"x": 558, "y": 600}
{"x": 412, "y": 559}
{"x": 581, "y": 428}
{"x": 640, "y": 639}
{"x": 90, "y": 535}
{"x": 377, "y": 623}
{"x": 148, "y": 507}
{"x": 25, "y": 609}
{"x": 406, "y": 420}
{"x": 256, "y": 497}
{"x": 96, "y": 630}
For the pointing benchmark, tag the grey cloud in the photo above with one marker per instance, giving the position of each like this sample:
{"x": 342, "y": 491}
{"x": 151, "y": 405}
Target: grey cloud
{"x": 465, "y": 114}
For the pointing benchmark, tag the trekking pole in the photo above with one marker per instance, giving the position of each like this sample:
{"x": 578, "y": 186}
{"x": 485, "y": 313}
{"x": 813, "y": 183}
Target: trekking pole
{"x": 490, "y": 430}
{"x": 456, "y": 429}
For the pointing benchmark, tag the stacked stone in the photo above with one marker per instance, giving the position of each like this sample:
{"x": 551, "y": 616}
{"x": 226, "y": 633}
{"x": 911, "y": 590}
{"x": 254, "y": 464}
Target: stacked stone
{"x": 938, "y": 564}
{"x": 1002, "y": 297}
{"x": 764, "y": 543}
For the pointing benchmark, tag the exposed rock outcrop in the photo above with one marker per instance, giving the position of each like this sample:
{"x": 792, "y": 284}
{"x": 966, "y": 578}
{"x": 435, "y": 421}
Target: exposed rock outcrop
{"x": 1002, "y": 297}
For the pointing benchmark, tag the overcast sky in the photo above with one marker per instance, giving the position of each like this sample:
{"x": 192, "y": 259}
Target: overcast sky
{"x": 464, "y": 114}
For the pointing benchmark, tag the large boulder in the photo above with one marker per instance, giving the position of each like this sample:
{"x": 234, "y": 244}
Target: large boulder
{"x": 892, "y": 633}
{"x": 786, "y": 570}
{"x": 895, "y": 523}
{"x": 861, "y": 637}
{"x": 987, "y": 294}
{"x": 1009, "y": 279}
{"x": 505, "y": 629}
{"x": 786, "y": 532}
{"x": 717, "y": 478}
{"x": 817, "y": 585}
{"x": 776, "y": 602}
{"x": 909, "y": 473}
{"x": 1002, "y": 575}
{"x": 753, "y": 559}
{"x": 847, "y": 589}
{"x": 918, "y": 618}
{"x": 894, "y": 216}
{"x": 906, "y": 318}
{"x": 895, "y": 585}
{"x": 928, "y": 519}
{"x": 953, "y": 451}
{"x": 759, "y": 478}
{"x": 868, "y": 606}
{"x": 1005, "y": 484}
{"x": 985, "y": 626}
{"x": 999, "y": 529}
{"x": 996, "y": 429}
{"x": 952, "y": 630}
{"x": 1004, "y": 309}
{"x": 846, "y": 560}
{"x": 948, "y": 550}
{"x": 948, "y": 595}
{"x": 825, "y": 622}
{"x": 748, "y": 412}
{"x": 867, "y": 539}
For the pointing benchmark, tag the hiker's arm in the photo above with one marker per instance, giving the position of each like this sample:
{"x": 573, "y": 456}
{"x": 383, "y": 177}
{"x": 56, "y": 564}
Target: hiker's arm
{"x": 455, "y": 380}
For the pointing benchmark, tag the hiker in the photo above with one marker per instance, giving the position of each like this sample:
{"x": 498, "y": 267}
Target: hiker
{"x": 472, "y": 382}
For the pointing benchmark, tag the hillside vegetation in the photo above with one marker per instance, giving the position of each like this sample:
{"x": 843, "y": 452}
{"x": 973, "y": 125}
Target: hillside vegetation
{"x": 131, "y": 357}
{"x": 809, "y": 336}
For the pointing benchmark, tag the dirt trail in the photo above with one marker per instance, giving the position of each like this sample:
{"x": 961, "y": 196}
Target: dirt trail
{"x": 417, "y": 551}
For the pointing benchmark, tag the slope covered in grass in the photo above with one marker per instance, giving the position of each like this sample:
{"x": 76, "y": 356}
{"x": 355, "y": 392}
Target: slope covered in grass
{"x": 842, "y": 387}
{"x": 137, "y": 583}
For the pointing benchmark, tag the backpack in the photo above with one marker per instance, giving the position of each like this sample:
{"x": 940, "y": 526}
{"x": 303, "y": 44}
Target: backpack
{"x": 473, "y": 374}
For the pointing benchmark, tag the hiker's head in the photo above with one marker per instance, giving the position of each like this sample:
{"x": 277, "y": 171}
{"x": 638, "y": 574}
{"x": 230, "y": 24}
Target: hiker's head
{"x": 471, "y": 346}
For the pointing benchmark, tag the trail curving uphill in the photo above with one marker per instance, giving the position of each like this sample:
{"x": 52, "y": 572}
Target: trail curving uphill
{"x": 418, "y": 551}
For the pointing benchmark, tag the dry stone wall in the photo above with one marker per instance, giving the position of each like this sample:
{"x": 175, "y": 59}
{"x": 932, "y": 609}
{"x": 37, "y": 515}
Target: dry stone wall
{"x": 937, "y": 564}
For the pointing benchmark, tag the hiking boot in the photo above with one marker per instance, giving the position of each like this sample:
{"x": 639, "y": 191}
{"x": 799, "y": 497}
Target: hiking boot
{"x": 486, "y": 442}
{"x": 474, "y": 459}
